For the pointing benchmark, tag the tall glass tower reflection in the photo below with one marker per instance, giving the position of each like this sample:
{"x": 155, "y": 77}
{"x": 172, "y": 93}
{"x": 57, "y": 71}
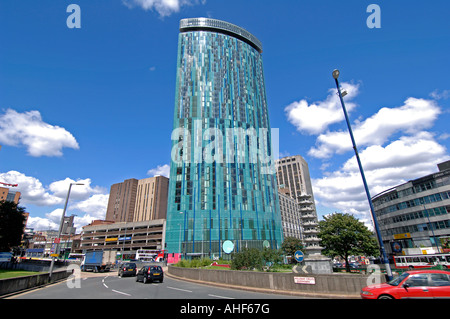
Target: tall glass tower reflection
{"x": 223, "y": 188}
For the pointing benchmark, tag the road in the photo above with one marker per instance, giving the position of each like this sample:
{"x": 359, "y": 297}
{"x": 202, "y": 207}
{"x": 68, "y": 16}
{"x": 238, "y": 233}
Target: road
{"x": 110, "y": 286}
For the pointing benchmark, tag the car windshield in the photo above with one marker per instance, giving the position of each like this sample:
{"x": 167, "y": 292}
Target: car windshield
{"x": 396, "y": 281}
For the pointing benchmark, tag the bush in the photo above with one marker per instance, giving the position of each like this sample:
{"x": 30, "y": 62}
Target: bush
{"x": 247, "y": 258}
{"x": 194, "y": 263}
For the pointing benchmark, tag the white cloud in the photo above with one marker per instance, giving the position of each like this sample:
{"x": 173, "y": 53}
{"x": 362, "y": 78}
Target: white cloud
{"x": 39, "y": 223}
{"x": 404, "y": 159}
{"x": 412, "y": 117}
{"x": 163, "y": 170}
{"x": 31, "y": 189}
{"x": 445, "y": 94}
{"x": 163, "y": 7}
{"x": 77, "y": 192}
{"x": 316, "y": 117}
{"x": 94, "y": 206}
{"x": 393, "y": 144}
{"x": 86, "y": 201}
{"x": 85, "y": 212}
{"x": 40, "y": 138}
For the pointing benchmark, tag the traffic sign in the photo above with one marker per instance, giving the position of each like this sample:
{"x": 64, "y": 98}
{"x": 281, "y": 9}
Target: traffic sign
{"x": 298, "y": 256}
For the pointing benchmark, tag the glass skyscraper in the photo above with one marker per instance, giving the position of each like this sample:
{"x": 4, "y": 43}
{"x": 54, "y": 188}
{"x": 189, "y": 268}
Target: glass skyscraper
{"x": 223, "y": 189}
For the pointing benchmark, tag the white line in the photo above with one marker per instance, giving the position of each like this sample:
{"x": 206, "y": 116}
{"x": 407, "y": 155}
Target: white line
{"x": 103, "y": 281}
{"x": 179, "y": 289}
{"x": 119, "y": 292}
{"x": 220, "y": 297}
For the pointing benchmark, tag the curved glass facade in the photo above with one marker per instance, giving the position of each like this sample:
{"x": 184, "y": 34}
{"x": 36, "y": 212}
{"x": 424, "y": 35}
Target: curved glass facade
{"x": 222, "y": 177}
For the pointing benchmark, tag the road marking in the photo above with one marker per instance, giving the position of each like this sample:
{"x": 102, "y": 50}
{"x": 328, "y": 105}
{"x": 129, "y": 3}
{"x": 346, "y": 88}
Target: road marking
{"x": 103, "y": 281}
{"x": 119, "y": 292}
{"x": 179, "y": 289}
{"x": 220, "y": 297}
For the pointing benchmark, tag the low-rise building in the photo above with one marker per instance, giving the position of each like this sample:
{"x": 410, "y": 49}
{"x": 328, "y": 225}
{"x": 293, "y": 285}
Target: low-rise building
{"x": 414, "y": 217}
{"x": 124, "y": 237}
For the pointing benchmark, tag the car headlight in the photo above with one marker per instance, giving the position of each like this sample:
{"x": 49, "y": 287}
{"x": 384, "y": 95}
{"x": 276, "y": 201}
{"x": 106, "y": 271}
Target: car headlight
{"x": 367, "y": 293}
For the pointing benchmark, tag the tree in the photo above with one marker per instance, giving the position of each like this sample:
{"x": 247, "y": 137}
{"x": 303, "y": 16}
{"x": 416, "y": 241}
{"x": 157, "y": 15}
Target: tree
{"x": 12, "y": 221}
{"x": 253, "y": 258}
{"x": 271, "y": 257}
{"x": 247, "y": 258}
{"x": 290, "y": 245}
{"x": 344, "y": 235}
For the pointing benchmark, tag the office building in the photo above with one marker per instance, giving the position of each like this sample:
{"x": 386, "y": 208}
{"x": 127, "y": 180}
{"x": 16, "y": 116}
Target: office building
{"x": 290, "y": 216}
{"x": 222, "y": 184}
{"x": 414, "y": 217}
{"x": 294, "y": 181}
{"x": 122, "y": 200}
{"x": 138, "y": 200}
{"x": 151, "y": 198}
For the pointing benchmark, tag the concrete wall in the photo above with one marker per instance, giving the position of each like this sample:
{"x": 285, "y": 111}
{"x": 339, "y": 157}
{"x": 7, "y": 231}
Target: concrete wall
{"x": 345, "y": 285}
{"x": 11, "y": 285}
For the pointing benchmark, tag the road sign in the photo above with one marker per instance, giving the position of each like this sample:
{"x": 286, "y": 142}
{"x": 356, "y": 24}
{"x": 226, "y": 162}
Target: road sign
{"x": 305, "y": 280}
{"x": 306, "y": 269}
{"x": 298, "y": 256}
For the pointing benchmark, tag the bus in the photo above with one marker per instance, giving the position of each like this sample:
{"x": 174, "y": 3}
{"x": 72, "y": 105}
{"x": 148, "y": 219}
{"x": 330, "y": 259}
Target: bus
{"x": 422, "y": 261}
{"x": 150, "y": 255}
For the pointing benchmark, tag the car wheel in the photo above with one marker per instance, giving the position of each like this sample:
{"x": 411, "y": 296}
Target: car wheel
{"x": 385, "y": 297}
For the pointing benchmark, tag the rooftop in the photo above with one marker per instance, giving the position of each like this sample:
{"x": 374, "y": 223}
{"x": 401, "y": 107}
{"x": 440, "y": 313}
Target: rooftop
{"x": 207, "y": 24}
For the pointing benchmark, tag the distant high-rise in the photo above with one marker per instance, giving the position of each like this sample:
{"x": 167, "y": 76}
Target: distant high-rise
{"x": 122, "y": 199}
{"x": 138, "y": 200}
{"x": 222, "y": 180}
{"x": 294, "y": 181}
{"x": 151, "y": 198}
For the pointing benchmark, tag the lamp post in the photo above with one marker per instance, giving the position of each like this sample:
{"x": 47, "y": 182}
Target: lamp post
{"x": 60, "y": 229}
{"x": 372, "y": 211}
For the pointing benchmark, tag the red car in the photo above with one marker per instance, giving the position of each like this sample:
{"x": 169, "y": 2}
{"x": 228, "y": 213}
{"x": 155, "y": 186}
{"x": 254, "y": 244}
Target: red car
{"x": 412, "y": 284}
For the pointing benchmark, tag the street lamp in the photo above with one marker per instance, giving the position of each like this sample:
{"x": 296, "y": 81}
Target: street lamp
{"x": 372, "y": 211}
{"x": 60, "y": 229}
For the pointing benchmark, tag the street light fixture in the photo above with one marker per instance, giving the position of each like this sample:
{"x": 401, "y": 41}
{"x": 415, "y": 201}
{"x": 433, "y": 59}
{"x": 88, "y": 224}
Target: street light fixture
{"x": 60, "y": 229}
{"x": 372, "y": 211}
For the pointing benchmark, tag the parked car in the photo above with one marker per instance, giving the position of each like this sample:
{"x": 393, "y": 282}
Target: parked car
{"x": 150, "y": 274}
{"x": 127, "y": 269}
{"x": 412, "y": 284}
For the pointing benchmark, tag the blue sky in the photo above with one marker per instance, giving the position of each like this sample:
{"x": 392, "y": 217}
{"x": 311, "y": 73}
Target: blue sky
{"x": 95, "y": 104}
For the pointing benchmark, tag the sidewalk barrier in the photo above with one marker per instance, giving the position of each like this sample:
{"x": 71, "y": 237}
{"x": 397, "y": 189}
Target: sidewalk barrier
{"x": 16, "y": 284}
